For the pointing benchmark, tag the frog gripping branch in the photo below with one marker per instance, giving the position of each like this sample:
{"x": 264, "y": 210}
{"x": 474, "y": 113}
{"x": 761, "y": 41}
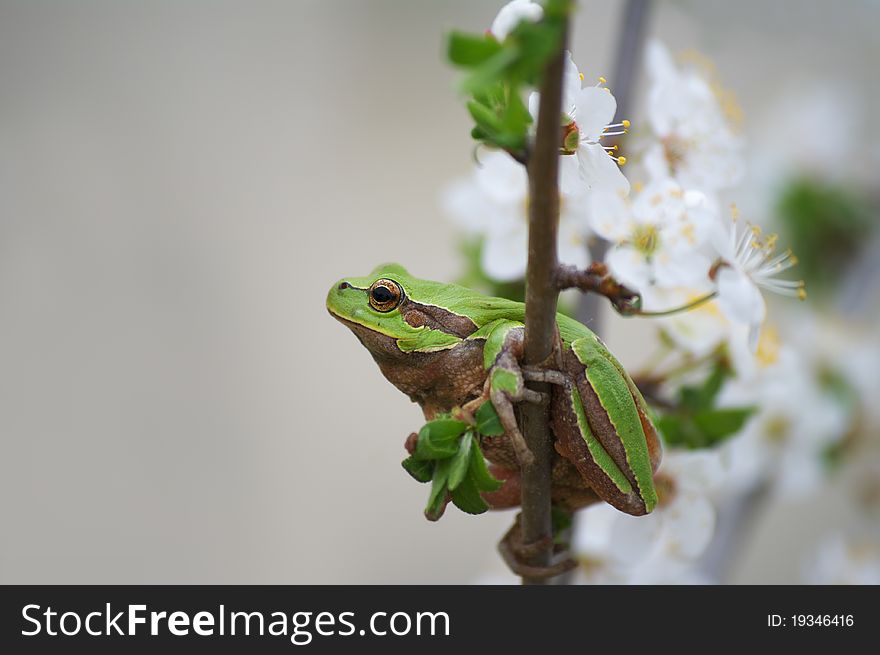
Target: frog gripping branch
{"x": 451, "y": 350}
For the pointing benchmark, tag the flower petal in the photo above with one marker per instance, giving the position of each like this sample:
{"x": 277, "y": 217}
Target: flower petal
{"x": 609, "y": 215}
{"x": 741, "y": 300}
{"x": 505, "y": 253}
{"x": 501, "y": 178}
{"x": 689, "y": 523}
{"x": 572, "y": 246}
{"x": 595, "y": 109}
{"x": 511, "y": 14}
{"x": 629, "y": 267}
{"x": 571, "y": 84}
{"x": 599, "y": 171}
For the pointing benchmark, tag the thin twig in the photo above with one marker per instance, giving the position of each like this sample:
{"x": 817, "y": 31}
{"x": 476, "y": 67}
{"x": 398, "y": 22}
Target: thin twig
{"x": 596, "y": 279}
{"x": 541, "y": 297}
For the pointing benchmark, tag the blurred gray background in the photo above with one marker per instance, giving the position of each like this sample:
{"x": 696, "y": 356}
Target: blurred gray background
{"x": 180, "y": 183}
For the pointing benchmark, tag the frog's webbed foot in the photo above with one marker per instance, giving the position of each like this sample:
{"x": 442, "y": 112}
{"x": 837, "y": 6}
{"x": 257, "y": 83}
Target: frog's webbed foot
{"x": 516, "y": 554}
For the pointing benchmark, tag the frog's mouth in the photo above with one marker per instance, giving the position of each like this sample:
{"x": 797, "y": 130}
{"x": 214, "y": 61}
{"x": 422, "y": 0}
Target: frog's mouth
{"x": 380, "y": 345}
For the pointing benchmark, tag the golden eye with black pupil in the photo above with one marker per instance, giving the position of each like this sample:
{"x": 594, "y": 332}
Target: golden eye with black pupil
{"x": 385, "y": 295}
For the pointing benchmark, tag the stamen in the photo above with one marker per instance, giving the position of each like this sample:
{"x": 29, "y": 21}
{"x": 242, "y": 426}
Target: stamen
{"x": 612, "y": 133}
{"x": 581, "y": 75}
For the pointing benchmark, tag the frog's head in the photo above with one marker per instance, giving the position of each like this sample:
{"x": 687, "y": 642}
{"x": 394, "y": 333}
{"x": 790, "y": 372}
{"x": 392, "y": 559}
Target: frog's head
{"x": 389, "y": 313}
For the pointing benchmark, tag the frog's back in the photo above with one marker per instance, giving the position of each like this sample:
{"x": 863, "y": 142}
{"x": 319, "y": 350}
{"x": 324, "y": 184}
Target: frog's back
{"x": 481, "y": 309}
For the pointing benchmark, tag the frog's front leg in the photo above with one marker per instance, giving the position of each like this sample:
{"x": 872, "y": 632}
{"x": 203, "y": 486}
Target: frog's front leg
{"x": 506, "y": 385}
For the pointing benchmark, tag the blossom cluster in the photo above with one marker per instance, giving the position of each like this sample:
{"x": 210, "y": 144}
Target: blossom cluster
{"x": 669, "y": 230}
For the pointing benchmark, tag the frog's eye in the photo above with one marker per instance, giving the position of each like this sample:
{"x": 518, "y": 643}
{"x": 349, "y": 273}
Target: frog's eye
{"x": 385, "y": 295}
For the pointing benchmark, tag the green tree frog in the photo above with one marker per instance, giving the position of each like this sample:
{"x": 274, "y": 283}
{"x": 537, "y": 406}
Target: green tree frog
{"x": 448, "y": 347}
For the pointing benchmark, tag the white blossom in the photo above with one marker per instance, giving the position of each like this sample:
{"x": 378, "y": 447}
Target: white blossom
{"x": 748, "y": 262}
{"x": 794, "y": 423}
{"x": 695, "y": 140}
{"x": 840, "y": 560}
{"x": 697, "y": 331}
{"x": 587, "y": 113}
{"x": 662, "y": 546}
{"x": 656, "y": 234}
{"x": 512, "y": 14}
{"x": 493, "y": 203}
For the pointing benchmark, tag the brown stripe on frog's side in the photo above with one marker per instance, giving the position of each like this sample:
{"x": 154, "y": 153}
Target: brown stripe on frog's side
{"x": 436, "y": 318}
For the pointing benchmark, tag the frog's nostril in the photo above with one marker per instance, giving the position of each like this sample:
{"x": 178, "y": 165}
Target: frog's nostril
{"x": 344, "y": 285}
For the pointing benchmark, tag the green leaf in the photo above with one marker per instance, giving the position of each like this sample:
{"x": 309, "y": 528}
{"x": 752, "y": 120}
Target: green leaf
{"x": 437, "y": 497}
{"x": 495, "y": 70}
{"x": 438, "y": 439}
{"x": 704, "y": 428}
{"x": 703, "y": 397}
{"x": 488, "y": 422}
{"x": 470, "y": 49}
{"x": 536, "y": 43}
{"x": 459, "y": 466}
{"x": 515, "y": 119}
{"x": 479, "y": 471}
{"x": 500, "y": 130}
{"x": 827, "y": 224}
{"x": 467, "y": 497}
{"x": 421, "y": 470}
{"x": 717, "y": 424}
{"x": 676, "y": 430}
{"x": 485, "y": 118}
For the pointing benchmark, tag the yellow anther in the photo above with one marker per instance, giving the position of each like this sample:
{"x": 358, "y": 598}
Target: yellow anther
{"x": 756, "y": 230}
{"x": 793, "y": 259}
{"x": 734, "y": 211}
{"x": 625, "y": 123}
{"x": 802, "y": 293}
{"x": 621, "y": 160}
{"x": 602, "y": 80}
{"x": 581, "y": 75}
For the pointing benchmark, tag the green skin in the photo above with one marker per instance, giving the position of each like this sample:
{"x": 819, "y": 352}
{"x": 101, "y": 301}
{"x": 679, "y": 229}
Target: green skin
{"x": 447, "y": 347}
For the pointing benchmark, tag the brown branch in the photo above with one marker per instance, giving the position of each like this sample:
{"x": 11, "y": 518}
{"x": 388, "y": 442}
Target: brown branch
{"x": 541, "y": 297}
{"x": 596, "y": 279}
